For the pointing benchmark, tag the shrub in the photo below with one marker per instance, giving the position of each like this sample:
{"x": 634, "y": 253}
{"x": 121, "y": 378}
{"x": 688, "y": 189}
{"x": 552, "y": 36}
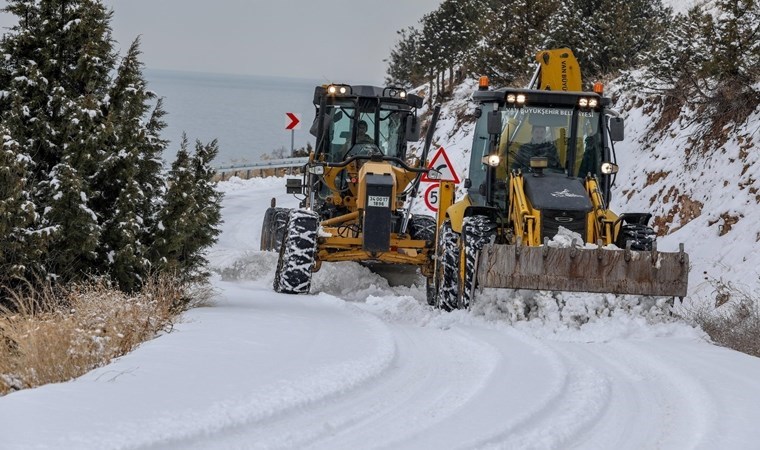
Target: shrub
{"x": 56, "y": 334}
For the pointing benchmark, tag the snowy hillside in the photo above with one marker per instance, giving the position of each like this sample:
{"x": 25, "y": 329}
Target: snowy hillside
{"x": 710, "y": 203}
{"x": 708, "y": 200}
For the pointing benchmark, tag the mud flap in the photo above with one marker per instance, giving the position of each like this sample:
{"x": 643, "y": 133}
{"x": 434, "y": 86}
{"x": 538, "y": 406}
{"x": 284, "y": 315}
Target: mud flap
{"x": 584, "y": 270}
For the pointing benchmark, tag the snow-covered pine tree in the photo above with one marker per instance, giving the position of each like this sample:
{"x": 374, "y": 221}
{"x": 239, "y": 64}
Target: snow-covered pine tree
{"x": 737, "y": 51}
{"x": 129, "y": 179}
{"x": 512, "y": 33}
{"x": 207, "y": 216}
{"x": 676, "y": 67}
{"x": 622, "y": 32}
{"x": 404, "y": 68}
{"x": 60, "y": 56}
{"x": 189, "y": 220}
{"x": 569, "y": 27}
{"x": 175, "y": 221}
{"x": 20, "y": 244}
{"x": 457, "y": 26}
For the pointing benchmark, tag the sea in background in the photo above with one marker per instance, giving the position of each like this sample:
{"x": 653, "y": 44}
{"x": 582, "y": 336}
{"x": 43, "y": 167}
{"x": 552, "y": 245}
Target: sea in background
{"x": 246, "y": 113}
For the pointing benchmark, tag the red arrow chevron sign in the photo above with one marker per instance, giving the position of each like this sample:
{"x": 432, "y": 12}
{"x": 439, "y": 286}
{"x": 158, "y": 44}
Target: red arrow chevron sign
{"x": 293, "y": 121}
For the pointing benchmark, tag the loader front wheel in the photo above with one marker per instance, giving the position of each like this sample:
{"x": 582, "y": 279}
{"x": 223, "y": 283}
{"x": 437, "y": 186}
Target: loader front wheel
{"x": 297, "y": 253}
{"x": 447, "y": 268}
{"x": 477, "y": 231}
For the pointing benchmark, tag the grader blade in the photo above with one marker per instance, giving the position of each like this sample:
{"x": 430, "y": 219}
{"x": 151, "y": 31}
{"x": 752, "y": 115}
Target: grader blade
{"x": 596, "y": 270}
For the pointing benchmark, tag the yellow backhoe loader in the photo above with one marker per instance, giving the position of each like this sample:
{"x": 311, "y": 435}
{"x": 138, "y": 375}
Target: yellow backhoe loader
{"x": 542, "y": 165}
{"x": 355, "y": 189}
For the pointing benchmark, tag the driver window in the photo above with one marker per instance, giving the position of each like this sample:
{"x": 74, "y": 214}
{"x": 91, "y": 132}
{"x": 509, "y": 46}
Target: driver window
{"x": 340, "y": 133}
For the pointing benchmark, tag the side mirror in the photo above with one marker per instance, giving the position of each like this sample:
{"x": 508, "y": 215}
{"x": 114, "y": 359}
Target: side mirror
{"x": 617, "y": 126}
{"x": 293, "y": 186}
{"x": 494, "y": 122}
{"x": 326, "y": 121}
{"x": 412, "y": 129}
{"x": 414, "y": 101}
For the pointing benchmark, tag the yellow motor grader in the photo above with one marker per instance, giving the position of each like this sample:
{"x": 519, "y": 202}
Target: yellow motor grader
{"x": 542, "y": 165}
{"x": 355, "y": 189}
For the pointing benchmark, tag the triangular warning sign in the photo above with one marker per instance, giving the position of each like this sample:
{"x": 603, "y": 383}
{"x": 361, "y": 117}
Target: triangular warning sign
{"x": 441, "y": 163}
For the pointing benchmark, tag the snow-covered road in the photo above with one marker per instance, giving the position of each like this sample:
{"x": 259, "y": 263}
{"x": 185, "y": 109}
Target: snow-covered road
{"x": 360, "y": 364}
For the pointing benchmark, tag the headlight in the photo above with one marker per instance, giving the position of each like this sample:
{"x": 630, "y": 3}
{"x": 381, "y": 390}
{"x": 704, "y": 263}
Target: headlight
{"x": 592, "y": 102}
{"x": 583, "y": 102}
{"x": 402, "y": 94}
{"x": 343, "y": 89}
{"x": 492, "y": 160}
{"x": 316, "y": 170}
{"x": 609, "y": 168}
{"x": 520, "y": 98}
{"x": 511, "y": 98}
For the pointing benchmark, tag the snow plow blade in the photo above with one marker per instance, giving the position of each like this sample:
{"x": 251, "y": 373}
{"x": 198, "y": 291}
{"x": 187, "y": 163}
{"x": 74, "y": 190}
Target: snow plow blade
{"x": 584, "y": 270}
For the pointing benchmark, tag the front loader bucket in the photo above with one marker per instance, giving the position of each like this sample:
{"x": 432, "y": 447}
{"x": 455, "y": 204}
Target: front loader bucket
{"x": 584, "y": 270}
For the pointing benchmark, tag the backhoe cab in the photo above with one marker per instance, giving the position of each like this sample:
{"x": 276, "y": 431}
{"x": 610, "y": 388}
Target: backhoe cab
{"x": 354, "y": 189}
{"x": 542, "y": 164}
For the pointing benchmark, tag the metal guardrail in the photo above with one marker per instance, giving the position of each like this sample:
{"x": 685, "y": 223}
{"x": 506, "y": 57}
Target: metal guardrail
{"x": 265, "y": 164}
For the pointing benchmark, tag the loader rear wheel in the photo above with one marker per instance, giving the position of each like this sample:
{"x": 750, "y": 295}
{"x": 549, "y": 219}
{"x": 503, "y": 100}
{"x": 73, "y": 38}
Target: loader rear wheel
{"x": 447, "y": 268}
{"x": 279, "y": 221}
{"x": 297, "y": 253}
{"x": 477, "y": 231}
{"x": 266, "y": 232}
{"x": 273, "y": 228}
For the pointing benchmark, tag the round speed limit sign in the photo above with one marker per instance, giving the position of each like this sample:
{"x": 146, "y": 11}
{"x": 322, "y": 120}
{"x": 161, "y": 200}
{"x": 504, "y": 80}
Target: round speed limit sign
{"x": 431, "y": 197}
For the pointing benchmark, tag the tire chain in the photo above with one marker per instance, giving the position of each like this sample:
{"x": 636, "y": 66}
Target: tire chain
{"x": 297, "y": 253}
{"x": 477, "y": 231}
{"x": 447, "y": 268}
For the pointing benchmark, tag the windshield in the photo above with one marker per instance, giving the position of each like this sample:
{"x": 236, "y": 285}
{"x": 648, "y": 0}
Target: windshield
{"x": 533, "y": 131}
{"x": 392, "y": 130}
{"x": 366, "y": 131}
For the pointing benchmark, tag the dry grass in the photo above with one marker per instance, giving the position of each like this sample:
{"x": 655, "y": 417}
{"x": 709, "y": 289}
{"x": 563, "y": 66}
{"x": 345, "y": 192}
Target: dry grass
{"x": 53, "y": 335}
{"x": 734, "y": 321}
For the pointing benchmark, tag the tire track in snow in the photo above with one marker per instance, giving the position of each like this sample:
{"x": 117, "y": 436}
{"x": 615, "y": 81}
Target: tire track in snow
{"x": 432, "y": 378}
{"x": 266, "y": 404}
{"x": 577, "y": 396}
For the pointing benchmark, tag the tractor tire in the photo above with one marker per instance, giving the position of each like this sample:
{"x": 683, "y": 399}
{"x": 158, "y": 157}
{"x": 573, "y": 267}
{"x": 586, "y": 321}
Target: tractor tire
{"x": 641, "y": 237}
{"x": 297, "y": 253}
{"x": 447, "y": 268}
{"x": 477, "y": 231}
{"x": 273, "y": 228}
{"x": 431, "y": 292}
{"x": 422, "y": 227}
{"x": 266, "y": 230}
{"x": 279, "y": 221}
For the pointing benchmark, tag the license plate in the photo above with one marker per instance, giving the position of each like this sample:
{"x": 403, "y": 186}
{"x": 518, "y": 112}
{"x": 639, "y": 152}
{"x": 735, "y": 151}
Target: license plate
{"x": 378, "y": 201}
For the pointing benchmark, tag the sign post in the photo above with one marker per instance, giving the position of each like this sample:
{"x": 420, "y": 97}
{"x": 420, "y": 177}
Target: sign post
{"x": 293, "y": 123}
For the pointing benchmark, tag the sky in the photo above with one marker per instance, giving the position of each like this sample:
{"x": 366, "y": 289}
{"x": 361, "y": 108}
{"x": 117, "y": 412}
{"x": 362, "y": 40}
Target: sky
{"x": 328, "y": 39}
